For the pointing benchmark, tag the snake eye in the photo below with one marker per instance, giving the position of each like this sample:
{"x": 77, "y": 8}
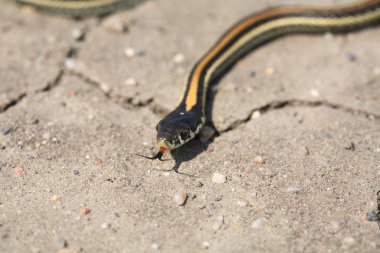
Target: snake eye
{"x": 184, "y": 135}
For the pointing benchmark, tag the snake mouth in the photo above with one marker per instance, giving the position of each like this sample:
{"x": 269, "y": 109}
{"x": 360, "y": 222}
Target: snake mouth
{"x": 163, "y": 145}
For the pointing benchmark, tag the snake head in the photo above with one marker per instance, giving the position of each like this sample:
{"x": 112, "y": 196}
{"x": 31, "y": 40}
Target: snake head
{"x": 177, "y": 128}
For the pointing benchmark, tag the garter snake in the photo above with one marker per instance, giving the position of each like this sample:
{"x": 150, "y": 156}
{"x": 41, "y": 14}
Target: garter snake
{"x": 80, "y": 8}
{"x": 186, "y": 121}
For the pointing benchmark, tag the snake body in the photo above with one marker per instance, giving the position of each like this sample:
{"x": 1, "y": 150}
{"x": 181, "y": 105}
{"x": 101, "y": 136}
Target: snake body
{"x": 80, "y": 8}
{"x": 186, "y": 121}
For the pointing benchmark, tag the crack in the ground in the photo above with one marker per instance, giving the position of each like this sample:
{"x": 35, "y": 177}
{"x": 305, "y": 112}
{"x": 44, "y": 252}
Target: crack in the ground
{"x": 12, "y": 102}
{"x": 54, "y": 83}
{"x": 276, "y": 105}
{"x": 131, "y": 102}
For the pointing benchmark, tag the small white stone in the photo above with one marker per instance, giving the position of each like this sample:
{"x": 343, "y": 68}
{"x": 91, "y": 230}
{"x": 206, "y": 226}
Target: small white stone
{"x": 131, "y": 82}
{"x": 130, "y": 52}
{"x": 154, "y": 246}
{"x": 218, "y": 178}
{"x": 314, "y": 93}
{"x": 114, "y": 24}
{"x": 258, "y": 223}
{"x": 105, "y": 225}
{"x": 180, "y": 198}
{"x": 46, "y": 136}
{"x": 70, "y": 63}
{"x": 105, "y": 87}
{"x": 242, "y": 203}
{"x": 179, "y": 58}
{"x": 218, "y": 223}
{"x": 348, "y": 241}
{"x": 87, "y": 157}
{"x": 294, "y": 190}
{"x": 77, "y": 34}
{"x": 205, "y": 245}
{"x": 256, "y": 114}
{"x": 378, "y": 150}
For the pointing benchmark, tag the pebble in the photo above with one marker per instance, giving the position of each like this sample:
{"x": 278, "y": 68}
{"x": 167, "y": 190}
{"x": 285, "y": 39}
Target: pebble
{"x": 314, "y": 93}
{"x": 256, "y": 114}
{"x": 348, "y": 241}
{"x": 131, "y": 82}
{"x": 18, "y": 171}
{"x": 105, "y": 87}
{"x": 105, "y": 225}
{"x": 306, "y": 151}
{"x": 180, "y": 198}
{"x": 294, "y": 190}
{"x": 259, "y": 160}
{"x": 179, "y": 58}
{"x": 351, "y": 57}
{"x": 130, "y": 52}
{"x": 154, "y": 246}
{"x": 55, "y": 198}
{"x": 218, "y": 223}
{"x": 206, "y": 133}
{"x": 242, "y": 203}
{"x": 205, "y": 245}
{"x": 218, "y": 178}
{"x": 372, "y": 217}
{"x": 70, "y": 63}
{"x": 334, "y": 226}
{"x": 46, "y": 136}
{"x": 248, "y": 169}
{"x": 77, "y": 34}
{"x": 114, "y": 24}
{"x": 98, "y": 161}
{"x": 6, "y": 130}
{"x": 85, "y": 210}
{"x": 350, "y": 146}
{"x": 257, "y": 224}
{"x": 269, "y": 71}
{"x": 76, "y": 172}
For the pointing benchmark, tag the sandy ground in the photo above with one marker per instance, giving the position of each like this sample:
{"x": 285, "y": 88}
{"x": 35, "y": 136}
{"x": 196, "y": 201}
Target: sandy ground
{"x": 298, "y": 123}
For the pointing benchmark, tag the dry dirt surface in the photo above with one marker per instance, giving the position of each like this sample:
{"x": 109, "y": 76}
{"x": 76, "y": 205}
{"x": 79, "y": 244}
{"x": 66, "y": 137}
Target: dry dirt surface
{"x": 295, "y": 166}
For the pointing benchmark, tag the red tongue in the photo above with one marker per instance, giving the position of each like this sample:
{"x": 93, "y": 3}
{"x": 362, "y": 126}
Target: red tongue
{"x": 162, "y": 150}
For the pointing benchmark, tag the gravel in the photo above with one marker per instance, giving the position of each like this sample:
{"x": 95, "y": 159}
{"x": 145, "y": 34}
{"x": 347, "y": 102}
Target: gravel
{"x": 180, "y": 198}
{"x": 218, "y": 178}
{"x": 257, "y": 224}
{"x": 6, "y": 130}
{"x": 218, "y": 223}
